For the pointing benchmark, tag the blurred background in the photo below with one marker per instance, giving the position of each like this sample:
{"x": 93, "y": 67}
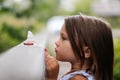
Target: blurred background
{"x": 19, "y": 16}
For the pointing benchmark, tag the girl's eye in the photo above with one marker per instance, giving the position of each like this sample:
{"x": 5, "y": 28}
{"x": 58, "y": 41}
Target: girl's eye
{"x": 63, "y": 38}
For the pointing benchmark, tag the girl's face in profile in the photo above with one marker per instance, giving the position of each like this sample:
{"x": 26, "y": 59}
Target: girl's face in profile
{"x": 63, "y": 48}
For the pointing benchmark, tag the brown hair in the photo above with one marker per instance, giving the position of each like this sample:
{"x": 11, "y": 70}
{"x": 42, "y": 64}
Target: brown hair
{"x": 97, "y": 35}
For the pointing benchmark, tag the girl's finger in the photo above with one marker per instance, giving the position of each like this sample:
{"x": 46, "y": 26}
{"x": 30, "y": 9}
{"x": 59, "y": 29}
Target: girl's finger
{"x": 46, "y": 52}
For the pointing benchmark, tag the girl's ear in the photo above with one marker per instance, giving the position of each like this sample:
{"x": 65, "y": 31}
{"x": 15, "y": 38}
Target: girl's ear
{"x": 87, "y": 52}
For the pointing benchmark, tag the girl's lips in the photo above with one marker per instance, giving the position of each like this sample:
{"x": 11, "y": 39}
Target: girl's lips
{"x": 56, "y": 50}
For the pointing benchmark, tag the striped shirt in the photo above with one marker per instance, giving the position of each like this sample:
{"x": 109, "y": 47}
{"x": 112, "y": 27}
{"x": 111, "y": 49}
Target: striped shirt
{"x": 81, "y": 72}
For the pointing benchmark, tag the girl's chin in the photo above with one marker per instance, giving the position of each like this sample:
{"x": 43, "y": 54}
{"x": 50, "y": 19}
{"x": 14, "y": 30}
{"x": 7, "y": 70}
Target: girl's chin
{"x": 58, "y": 58}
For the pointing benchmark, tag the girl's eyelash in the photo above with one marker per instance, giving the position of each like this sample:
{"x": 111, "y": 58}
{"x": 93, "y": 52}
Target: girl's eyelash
{"x": 63, "y": 38}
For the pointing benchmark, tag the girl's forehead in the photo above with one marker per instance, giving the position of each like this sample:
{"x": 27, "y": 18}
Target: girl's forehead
{"x": 63, "y": 28}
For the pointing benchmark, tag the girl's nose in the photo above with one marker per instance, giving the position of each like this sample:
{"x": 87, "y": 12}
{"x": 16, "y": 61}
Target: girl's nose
{"x": 57, "y": 43}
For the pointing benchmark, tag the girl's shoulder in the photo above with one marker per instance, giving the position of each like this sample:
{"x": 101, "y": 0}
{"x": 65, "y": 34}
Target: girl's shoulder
{"x": 78, "y": 77}
{"x": 78, "y": 74}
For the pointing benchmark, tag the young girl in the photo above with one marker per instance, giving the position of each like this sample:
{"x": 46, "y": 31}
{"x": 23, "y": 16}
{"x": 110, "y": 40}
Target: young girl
{"x": 87, "y": 43}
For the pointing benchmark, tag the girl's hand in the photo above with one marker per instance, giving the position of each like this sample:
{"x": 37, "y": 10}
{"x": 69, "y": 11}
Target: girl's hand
{"x": 52, "y": 66}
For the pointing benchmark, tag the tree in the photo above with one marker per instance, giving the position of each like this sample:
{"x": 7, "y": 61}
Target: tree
{"x": 83, "y": 6}
{"x": 40, "y": 9}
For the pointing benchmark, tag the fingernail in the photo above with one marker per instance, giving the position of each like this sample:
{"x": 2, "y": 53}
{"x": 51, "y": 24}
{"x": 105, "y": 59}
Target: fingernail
{"x": 45, "y": 49}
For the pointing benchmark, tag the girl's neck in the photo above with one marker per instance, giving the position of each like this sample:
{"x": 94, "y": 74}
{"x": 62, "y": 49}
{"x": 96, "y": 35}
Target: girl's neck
{"x": 77, "y": 66}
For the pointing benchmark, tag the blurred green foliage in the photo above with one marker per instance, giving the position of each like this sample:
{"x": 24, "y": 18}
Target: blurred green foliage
{"x": 85, "y": 7}
{"x": 11, "y": 35}
{"x": 114, "y": 20}
{"x": 39, "y": 9}
{"x": 117, "y": 59}
{"x": 15, "y": 21}
{"x": 14, "y": 30}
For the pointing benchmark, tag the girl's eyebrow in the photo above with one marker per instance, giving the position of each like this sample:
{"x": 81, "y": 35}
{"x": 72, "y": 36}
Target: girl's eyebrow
{"x": 62, "y": 34}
